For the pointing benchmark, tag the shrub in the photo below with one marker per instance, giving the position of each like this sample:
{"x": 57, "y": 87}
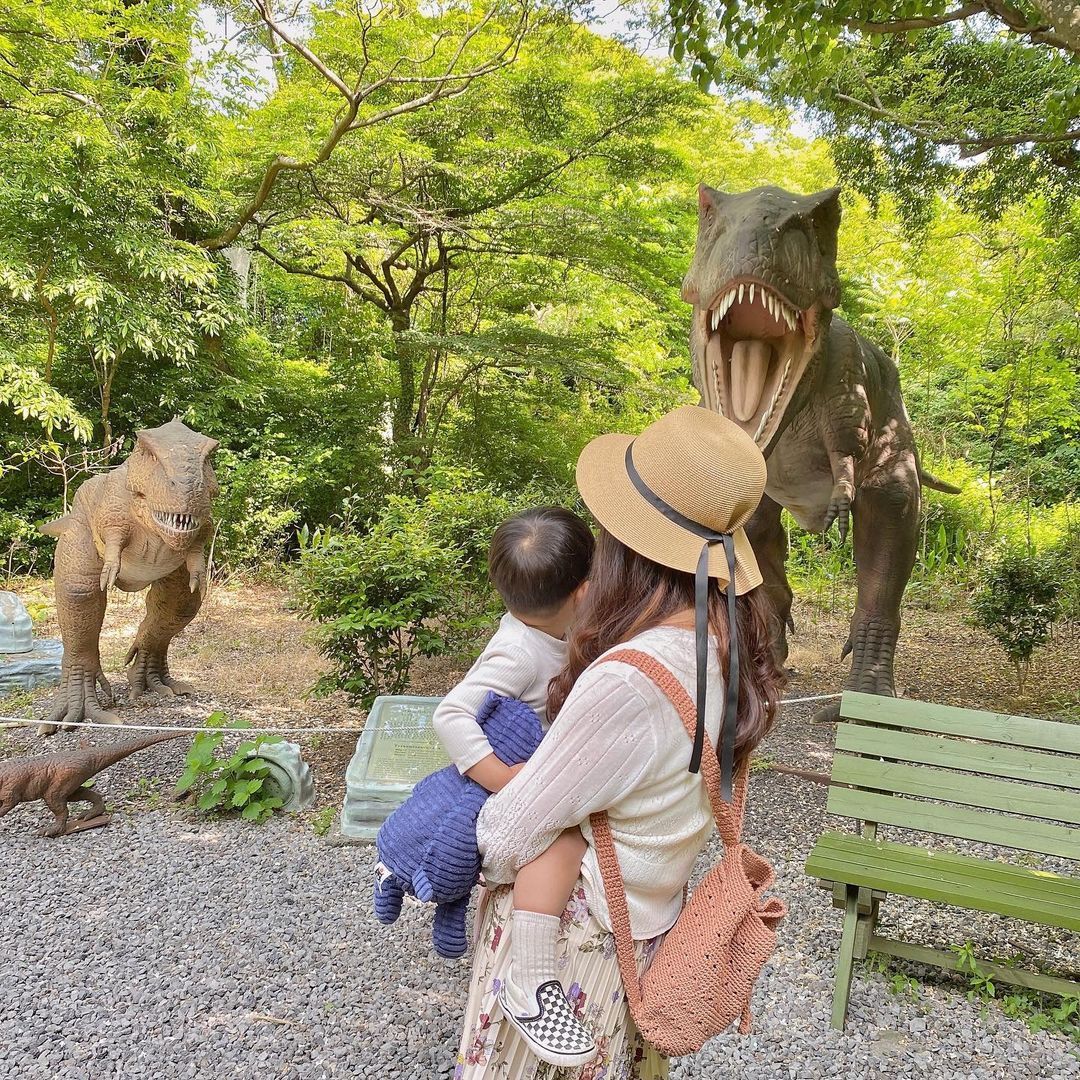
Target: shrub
{"x": 1066, "y": 558}
{"x": 1017, "y": 604}
{"x": 232, "y": 782}
{"x": 413, "y": 584}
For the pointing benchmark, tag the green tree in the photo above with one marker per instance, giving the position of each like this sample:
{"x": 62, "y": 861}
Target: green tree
{"x": 913, "y": 94}
{"x": 106, "y": 148}
{"x": 502, "y": 234}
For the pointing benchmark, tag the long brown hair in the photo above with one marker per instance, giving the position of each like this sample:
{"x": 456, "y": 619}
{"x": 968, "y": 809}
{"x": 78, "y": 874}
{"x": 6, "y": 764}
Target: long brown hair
{"x": 629, "y": 594}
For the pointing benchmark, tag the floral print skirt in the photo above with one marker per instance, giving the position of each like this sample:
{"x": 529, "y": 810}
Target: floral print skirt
{"x": 586, "y": 963}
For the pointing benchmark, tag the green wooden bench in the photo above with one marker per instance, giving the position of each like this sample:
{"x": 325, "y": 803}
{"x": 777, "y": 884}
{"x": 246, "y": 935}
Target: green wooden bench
{"x": 1009, "y": 781}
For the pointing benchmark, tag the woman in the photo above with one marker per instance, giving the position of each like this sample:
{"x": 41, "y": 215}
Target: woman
{"x": 670, "y": 504}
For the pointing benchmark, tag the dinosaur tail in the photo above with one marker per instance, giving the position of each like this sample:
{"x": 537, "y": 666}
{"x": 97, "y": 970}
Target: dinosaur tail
{"x": 114, "y": 752}
{"x": 927, "y": 479}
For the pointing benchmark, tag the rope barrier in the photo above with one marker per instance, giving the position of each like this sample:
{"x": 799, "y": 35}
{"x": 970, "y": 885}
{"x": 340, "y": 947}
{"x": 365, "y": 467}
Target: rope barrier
{"x": 15, "y": 721}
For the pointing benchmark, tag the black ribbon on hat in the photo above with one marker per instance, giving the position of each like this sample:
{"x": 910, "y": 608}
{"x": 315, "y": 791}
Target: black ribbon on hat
{"x": 701, "y": 629}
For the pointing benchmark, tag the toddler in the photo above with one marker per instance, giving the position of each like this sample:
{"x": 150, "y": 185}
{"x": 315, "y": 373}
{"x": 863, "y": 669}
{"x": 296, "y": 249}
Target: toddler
{"x": 539, "y": 564}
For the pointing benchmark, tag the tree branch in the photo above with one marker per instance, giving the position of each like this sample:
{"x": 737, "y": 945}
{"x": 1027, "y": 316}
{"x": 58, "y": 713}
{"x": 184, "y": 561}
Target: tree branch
{"x": 902, "y": 26}
{"x": 970, "y": 147}
{"x": 448, "y": 84}
{"x": 1017, "y": 22}
{"x": 341, "y": 279}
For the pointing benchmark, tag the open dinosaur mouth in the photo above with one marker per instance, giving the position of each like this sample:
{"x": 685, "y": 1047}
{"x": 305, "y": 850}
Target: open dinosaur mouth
{"x": 176, "y": 523}
{"x": 756, "y": 351}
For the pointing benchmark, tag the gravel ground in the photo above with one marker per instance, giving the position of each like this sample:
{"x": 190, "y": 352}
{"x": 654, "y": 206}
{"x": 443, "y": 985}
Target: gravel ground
{"x": 167, "y": 947}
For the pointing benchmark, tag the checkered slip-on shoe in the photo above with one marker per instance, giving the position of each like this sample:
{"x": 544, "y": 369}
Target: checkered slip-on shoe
{"x": 554, "y": 1033}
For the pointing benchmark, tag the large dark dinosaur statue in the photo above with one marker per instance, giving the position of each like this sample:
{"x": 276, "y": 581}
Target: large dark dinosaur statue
{"x": 58, "y": 779}
{"x": 822, "y": 403}
{"x": 146, "y": 522}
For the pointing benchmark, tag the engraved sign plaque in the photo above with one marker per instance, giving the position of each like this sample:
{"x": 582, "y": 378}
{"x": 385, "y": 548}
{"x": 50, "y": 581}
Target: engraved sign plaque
{"x": 396, "y": 749}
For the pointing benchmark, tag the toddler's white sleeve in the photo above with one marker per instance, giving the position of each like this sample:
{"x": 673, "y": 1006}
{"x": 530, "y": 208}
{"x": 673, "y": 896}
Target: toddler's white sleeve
{"x": 503, "y": 667}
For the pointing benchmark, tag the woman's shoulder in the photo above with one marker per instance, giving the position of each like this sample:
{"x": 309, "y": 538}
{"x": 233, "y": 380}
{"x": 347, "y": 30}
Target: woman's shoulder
{"x": 673, "y": 646}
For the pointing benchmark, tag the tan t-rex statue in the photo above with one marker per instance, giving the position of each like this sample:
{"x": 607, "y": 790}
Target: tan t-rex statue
{"x": 146, "y": 522}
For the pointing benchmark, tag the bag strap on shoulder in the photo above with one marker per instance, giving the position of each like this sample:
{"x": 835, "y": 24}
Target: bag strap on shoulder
{"x": 728, "y": 818}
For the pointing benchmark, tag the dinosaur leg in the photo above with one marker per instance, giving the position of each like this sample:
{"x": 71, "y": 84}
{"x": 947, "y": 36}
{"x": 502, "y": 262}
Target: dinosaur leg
{"x": 170, "y": 606}
{"x": 97, "y": 803}
{"x": 80, "y": 608}
{"x": 886, "y": 537}
{"x": 769, "y": 541}
{"x": 58, "y": 805}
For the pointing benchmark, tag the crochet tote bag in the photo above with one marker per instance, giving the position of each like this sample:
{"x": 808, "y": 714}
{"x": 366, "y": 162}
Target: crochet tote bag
{"x": 702, "y": 977}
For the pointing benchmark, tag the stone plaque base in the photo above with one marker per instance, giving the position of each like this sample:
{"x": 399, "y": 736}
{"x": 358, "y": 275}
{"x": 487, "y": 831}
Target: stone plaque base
{"x": 396, "y": 749}
{"x": 29, "y": 670}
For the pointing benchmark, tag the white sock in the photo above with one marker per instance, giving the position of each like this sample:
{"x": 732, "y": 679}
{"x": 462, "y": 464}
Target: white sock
{"x": 533, "y": 939}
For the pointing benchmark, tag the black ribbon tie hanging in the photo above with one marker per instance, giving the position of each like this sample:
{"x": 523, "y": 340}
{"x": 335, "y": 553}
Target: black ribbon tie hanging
{"x": 701, "y": 630}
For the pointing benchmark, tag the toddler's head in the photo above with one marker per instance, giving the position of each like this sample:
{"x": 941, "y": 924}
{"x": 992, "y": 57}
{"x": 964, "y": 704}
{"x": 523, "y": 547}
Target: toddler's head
{"x": 539, "y": 562}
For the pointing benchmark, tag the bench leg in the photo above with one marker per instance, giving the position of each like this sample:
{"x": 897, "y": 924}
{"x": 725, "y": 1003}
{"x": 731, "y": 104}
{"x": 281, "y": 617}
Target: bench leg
{"x": 846, "y": 960}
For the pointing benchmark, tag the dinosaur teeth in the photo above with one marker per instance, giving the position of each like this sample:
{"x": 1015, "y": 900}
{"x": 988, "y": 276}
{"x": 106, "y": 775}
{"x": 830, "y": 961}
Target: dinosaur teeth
{"x": 176, "y": 522}
{"x": 767, "y": 415}
{"x": 773, "y": 303}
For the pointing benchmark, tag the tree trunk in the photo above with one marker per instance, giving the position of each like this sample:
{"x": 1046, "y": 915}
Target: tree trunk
{"x": 1064, "y": 19}
{"x": 405, "y": 361}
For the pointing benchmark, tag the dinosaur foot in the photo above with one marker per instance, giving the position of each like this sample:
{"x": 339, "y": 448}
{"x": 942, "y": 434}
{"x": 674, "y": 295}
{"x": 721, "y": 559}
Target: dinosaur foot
{"x": 871, "y": 645}
{"x": 149, "y": 675}
{"x": 78, "y": 699}
{"x": 76, "y": 825}
{"x": 827, "y": 714}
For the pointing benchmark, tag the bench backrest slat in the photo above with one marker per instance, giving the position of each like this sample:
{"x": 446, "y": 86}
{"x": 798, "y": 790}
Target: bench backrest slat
{"x": 1010, "y": 781}
{"x": 970, "y": 723}
{"x": 1034, "y": 800}
{"x": 1000, "y": 829}
{"x": 990, "y": 758}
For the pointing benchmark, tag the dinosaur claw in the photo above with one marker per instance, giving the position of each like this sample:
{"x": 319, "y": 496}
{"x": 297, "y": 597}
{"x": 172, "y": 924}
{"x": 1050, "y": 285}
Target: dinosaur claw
{"x": 109, "y": 574}
{"x": 839, "y": 510}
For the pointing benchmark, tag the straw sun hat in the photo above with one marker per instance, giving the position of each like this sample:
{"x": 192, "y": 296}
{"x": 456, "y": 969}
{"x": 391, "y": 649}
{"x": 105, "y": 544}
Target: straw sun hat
{"x": 681, "y": 494}
{"x": 701, "y": 465}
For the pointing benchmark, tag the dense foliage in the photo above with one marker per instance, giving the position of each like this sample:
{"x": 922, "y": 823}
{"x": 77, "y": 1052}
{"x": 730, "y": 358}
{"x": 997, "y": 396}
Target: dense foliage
{"x": 912, "y": 94}
{"x": 403, "y": 262}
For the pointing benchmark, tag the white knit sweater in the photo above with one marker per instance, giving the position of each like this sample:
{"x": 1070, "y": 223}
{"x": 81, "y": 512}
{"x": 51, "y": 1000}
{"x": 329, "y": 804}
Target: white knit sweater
{"x": 617, "y": 745}
{"x": 518, "y": 662}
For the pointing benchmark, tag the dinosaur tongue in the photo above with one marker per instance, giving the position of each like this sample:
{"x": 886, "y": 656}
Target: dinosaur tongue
{"x": 749, "y": 370}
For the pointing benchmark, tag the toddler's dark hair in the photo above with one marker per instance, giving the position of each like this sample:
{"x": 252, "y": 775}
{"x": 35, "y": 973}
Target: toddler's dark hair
{"x": 539, "y": 557}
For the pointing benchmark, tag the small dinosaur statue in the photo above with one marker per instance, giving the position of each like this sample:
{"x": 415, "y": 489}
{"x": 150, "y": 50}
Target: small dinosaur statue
{"x": 146, "y": 522}
{"x": 58, "y": 779}
{"x": 822, "y": 403}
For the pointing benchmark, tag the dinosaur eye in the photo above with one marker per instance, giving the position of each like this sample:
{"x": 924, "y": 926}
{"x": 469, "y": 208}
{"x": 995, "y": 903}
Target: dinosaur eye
{"x": 793, "y": 252}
